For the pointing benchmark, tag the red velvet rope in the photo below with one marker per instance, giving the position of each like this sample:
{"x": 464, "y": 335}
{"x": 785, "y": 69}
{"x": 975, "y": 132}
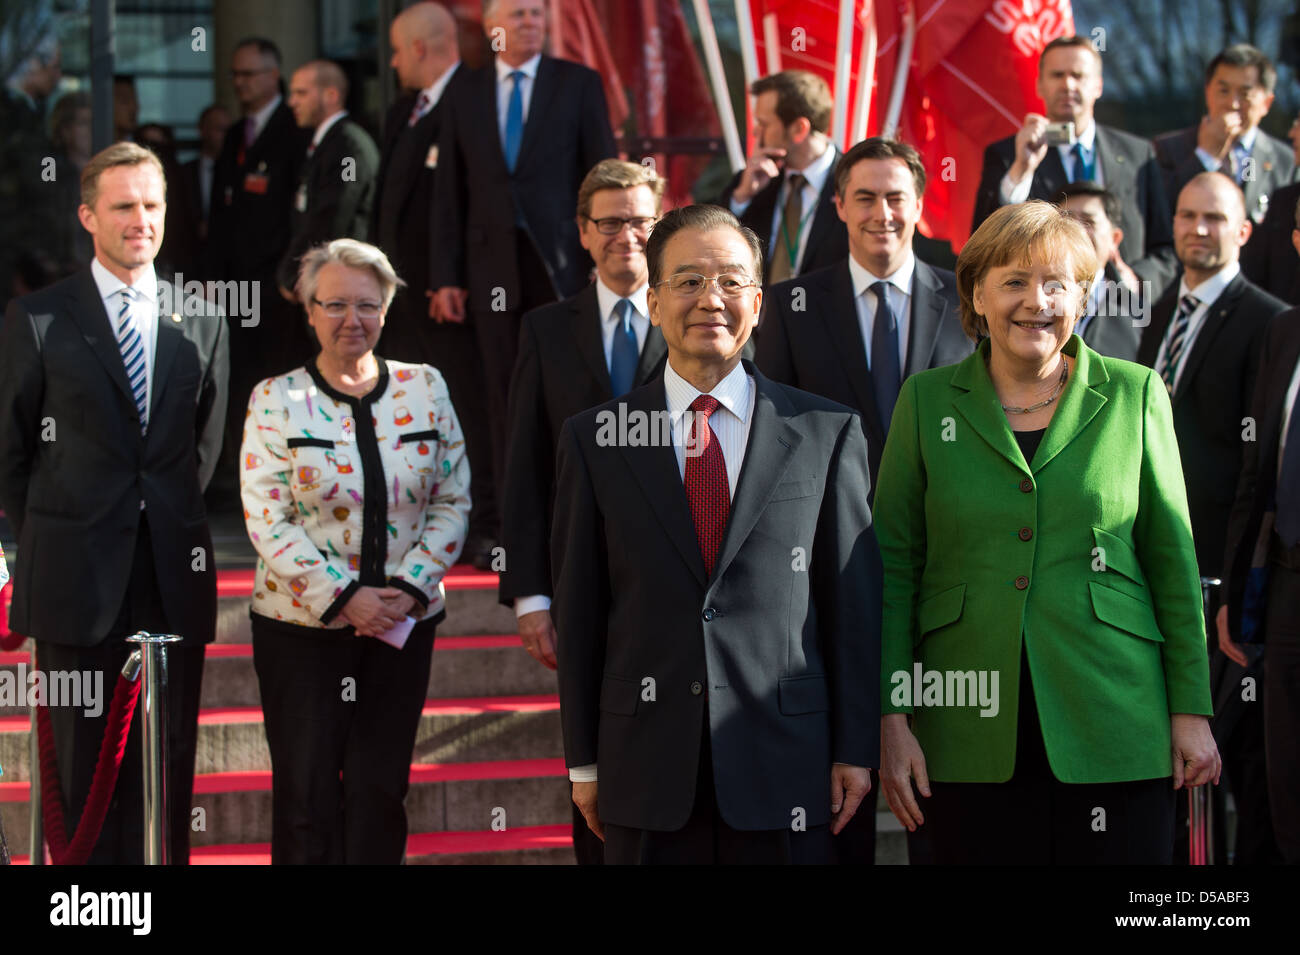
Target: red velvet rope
{"x": 76, "y": 852}
{"x": 8, "y": 641}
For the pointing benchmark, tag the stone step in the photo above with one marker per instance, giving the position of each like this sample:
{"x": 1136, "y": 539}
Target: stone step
{"x": 487, "y": 665}
{"x": 451, "y": 730}
{"x": 444, "y": 797}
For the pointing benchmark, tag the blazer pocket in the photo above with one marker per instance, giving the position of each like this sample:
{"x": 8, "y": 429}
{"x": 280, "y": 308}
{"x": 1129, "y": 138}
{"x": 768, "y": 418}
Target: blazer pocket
{"x": 619, "y": 695}
{"x": 310, "y": 443}
{"x": 939, "y": 610}
{"x": 803, "y": 694}
{"x": 430, "y": 435}
{"x": 1124, "y": 612}
{"x": 793, "y": 490}
{"x": 1118, "y": 555}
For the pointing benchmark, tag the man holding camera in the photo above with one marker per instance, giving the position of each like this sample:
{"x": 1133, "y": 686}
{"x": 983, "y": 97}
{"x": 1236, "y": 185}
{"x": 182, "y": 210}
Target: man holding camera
{"x": 1067, "y": 145}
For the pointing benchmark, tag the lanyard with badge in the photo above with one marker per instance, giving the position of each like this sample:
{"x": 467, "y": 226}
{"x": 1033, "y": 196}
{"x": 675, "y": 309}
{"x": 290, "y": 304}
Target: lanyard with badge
{"x": 792, "y": 245}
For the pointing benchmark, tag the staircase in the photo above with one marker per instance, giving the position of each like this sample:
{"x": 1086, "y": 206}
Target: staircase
{"x": 488, "y": 783}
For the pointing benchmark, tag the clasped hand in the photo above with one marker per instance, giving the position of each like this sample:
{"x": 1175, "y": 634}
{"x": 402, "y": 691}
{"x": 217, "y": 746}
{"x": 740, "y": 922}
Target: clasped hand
{"x": 376, "y": 610}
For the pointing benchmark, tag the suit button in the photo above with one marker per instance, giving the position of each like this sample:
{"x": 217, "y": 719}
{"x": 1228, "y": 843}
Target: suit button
{"x": 709, "y": 614}
{"x": 1022, "y": 583}
{"x": 1026, "y": 533}
{"x": 696, "y": 688}
{"x": 1026, "y": 485}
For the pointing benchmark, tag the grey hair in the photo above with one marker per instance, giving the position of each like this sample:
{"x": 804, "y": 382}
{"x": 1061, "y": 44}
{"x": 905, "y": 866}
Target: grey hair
{"x": 354, "y": 255}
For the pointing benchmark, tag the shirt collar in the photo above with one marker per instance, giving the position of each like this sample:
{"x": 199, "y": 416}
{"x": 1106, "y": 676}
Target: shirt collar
{"x": 1208, "y": 292}
{"x": 1088, "y": 140}
{"x": 817, "y": 170}
{"x": 262, "y": 115}
{"x": 433, "y": 92}
{"x": 528, "y": 68}
{"x": 1097, "y": 291}
{"x": 607, "y": 298}
{"x": 901, "y": 279}
{"x": 732, "y": 392}
{"x": 326, "y": 126}
{"x": 1247, "y": 139}
{"x": 109, "y": 284}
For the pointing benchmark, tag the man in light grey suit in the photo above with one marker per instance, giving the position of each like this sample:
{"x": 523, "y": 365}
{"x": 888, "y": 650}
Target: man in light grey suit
{"x": 1239, "y": 85}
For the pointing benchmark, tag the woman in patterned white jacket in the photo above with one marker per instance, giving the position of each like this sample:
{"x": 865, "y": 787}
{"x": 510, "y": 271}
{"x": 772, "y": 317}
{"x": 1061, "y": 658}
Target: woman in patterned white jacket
{"x": 355, "y": 487}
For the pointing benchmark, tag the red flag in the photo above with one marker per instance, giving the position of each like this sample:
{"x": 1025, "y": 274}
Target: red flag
{"x": 577, "y": 34}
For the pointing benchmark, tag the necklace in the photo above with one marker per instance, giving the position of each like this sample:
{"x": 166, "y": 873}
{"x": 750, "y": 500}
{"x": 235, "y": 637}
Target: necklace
{"x": 1060, "y": 387}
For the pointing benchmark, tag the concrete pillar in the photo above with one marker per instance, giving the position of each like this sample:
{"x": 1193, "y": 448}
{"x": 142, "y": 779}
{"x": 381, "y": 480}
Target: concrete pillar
{"x": 292, "y": 25}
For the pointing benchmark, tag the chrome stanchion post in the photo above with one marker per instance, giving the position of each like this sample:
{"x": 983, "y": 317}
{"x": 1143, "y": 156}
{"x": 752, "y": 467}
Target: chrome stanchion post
{"x": 1200, "y": 815}
{"x": 36, "y": 820}
{"x": 153, "y": 705}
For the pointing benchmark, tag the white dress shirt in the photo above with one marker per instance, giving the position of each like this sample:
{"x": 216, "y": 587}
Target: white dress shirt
{"x": 144, "y": 312}
{"x": 730, "y": 423}
{"x": 606, "y": 299}
{"x": 433, "y": 92}
{"x": 263, "y": 116}
{"x": 1013, "y": 193}
{"x": 1207, "y": 293}
{"x": 505, "y": 85}
{"x": 815, "y": 180}
{"x": 1096, "y": 298}
{"x": 326, "y": 125}
{"x": 1240, "y": 150}
{"x": 900, "y": 300}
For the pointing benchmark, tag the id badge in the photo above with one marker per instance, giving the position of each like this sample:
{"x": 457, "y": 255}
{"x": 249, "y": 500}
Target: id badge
{"x": 300, "y": 199}
{"x": 257, "y": 183}
{"x": 431, "y": 159}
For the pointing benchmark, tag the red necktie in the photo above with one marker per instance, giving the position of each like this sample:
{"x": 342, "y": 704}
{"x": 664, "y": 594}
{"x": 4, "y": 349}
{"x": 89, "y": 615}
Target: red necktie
{"x": 421, "y": 107}
{"x": 707, "y": 488}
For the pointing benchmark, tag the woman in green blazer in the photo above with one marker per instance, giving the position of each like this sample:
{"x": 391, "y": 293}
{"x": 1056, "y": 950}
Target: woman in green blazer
{"x": 1043, "y": 632}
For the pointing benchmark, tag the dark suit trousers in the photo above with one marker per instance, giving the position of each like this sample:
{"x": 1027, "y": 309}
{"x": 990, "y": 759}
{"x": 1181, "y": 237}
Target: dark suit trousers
{"x": 706, "y": 839}
{"x": 340, "y": 768}
{"x": 498, "y": 343}
{"x": 410, "y": 335}
{"x": 1282, "y": 707}
{"x": 1034, "y": 819}
{"x": 77, "y": 737}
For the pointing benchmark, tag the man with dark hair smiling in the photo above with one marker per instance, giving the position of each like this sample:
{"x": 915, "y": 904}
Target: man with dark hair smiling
{"x": 716, "y": 679}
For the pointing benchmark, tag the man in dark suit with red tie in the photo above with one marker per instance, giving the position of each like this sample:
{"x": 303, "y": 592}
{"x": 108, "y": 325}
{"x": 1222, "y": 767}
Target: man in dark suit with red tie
{"x": 786, "y": 192}
{"x": 573, "y": 355}
{"x": 516, "y": 141}
{"x": 717, "y": 587}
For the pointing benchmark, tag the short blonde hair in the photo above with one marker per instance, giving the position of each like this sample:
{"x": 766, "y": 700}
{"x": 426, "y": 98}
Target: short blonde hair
{"x": 618, "y": 174}
{"x": 1020, "y": 233}
{"x": 355, "y": 255}
{"x": 118, "y": 154}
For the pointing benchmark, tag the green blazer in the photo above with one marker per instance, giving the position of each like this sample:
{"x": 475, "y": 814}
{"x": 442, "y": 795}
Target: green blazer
{"x": 1086, "y": 557}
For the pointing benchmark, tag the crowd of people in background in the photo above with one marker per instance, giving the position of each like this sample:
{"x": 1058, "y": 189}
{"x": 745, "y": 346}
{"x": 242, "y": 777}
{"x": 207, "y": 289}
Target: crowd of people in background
{"x": 490, "y": 231}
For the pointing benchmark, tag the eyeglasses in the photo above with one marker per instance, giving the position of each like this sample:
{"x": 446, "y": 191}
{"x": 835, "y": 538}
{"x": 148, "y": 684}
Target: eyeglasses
{"x": 337, "y": 308}
{"x": 613, "y": 225}
{"x": 248, "y": 74}
{"x": 692, "y": 284}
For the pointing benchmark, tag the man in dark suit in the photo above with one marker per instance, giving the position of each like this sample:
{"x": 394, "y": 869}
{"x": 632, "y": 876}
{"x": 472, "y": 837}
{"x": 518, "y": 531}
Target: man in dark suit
{"x": 427, "y": 62}
{"x": 573, "y": 355}
{"x": 1027, "y": 166}
{"x": 193, "y": 191}
{"x": 248, "y": 231}
{"x": 1204, "y": 340}
{"x": 819, "y": 332}
{"x": 717, "y": 586}
{"x": 1114, "y": 318}
{"x": 336, "y": 183}
{"x": 516, "y": 141}
{"x": 1269, "y": 258}
{"x": 112, "y": 390}
{"x": 1239, "y": 84}
{"x": 1264, "y": 532}
{"x": 786, "y": 192}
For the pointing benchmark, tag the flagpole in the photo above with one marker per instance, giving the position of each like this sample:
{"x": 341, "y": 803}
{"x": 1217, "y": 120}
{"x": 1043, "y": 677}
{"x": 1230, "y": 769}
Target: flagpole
{"x": 749, "y": 59}
{"x": 718, "y": 80}
{"x": 866, "y": 73}
{"x": 901, "y": 72}
{"x": 843, "y": 59}
{"x": 771, "y": 43}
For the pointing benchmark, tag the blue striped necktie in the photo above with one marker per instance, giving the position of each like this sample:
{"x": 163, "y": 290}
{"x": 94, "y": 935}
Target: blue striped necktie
{"x": 1177, "y": 339}
{"x": 131, "y": 344}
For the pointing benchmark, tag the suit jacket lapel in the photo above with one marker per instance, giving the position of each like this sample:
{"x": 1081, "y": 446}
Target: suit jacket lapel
{"x": 589, "y": 337}
{"x": 1050, "y": 176}
{"x": 1116, "y": 169}
{"x": 652, "y": 353}
{"x": 88, "y": 311}
{"x": 1214, "y": 320}
{"x": 978, "y": 404}
{"x": 1079, "y": 404}
{"x": 927, "y": 310}
{"x": 841, "y": 317}
{"x": 772, "y": 444}
{"x": 1161, "y": 312}
{"x": 824, "y": 217}
{"x": 168, "y": 341}
{"x": 654, "y": 468}
{"x": 543, "y": 92}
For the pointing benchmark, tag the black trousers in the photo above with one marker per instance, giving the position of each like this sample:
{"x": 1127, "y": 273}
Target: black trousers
{"x": 706, "y": 839}
{"x": 410, "y": 335}
{"x": 1034, "y": 819}
{"x": 77, "y": 737}
{"x": 497, "y": 335}
{"x": 1281, "y": 697}
{"x": 341, "y": 714}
